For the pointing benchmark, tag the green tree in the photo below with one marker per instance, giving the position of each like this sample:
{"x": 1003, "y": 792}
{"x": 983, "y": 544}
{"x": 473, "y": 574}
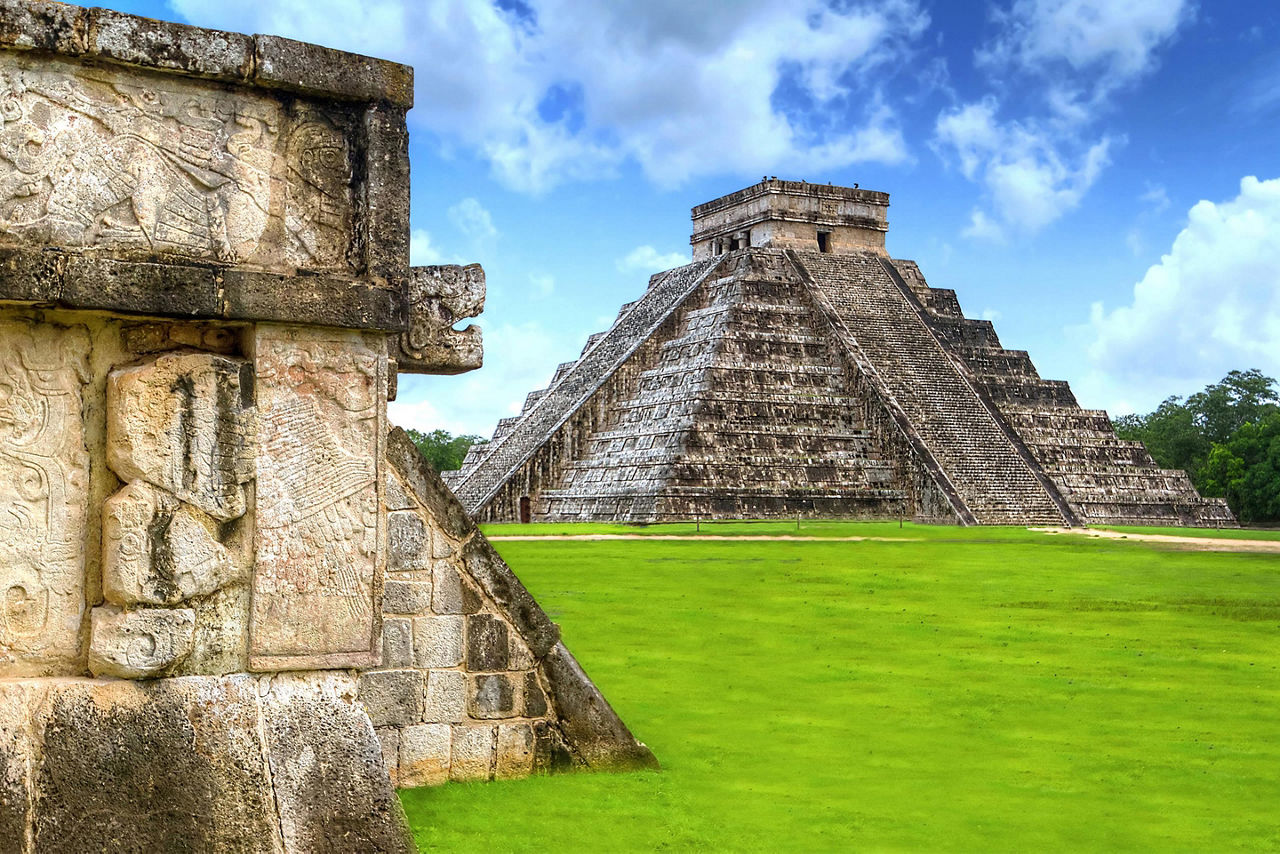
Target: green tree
{"x": 442, "y": 449}
{"x": 1171, "y": 435}
{"x": 1242, "y": 397}
{"x": 1246, "y": 470}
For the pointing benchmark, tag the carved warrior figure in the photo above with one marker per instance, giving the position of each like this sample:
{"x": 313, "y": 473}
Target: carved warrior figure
{"x": 95, "y": 160}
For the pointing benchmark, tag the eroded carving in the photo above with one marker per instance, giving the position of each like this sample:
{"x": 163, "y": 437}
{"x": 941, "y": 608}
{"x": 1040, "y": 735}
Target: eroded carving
{"x": 439, "y": 297}
{"x": 95, "y": 157}
{"x": 43, "y": 496}
{"x": 140, "y": 643}
{"x": 184, "y": 423}
{"x": 158, "y": 551}
{"x": 321, "y": 411}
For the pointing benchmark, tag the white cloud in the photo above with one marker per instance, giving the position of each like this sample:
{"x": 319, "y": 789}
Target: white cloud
{"x": 423, "y": 250}
{"x": 573, "y": 90}
{"x": 1027, "y": 177}
{"x": 1071, "y": 57}
{"x": 473, "y": 220}
{"x": 1211, "y": 305}
{"x": 1111, "y": 43}
{"x": 646, "y": 259}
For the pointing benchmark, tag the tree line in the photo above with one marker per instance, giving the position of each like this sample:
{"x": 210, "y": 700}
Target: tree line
{"x": 442, "y": 449}
{"x": 1227, "y": 438}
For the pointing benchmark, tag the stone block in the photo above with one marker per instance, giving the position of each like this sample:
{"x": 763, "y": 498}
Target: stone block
{"x": 535, "y": 699}
{"x": 165, "y": 765}
{"x": 321, "y": 538}
{"x": 392, "y": 697}
{"x": 440, "y": 546}
{"x": 487, "y": 643}
{"x": 515, "y": 752}
{"x": 327, "y": 770}
{"x": 44, "y": 490}
{"x": 140, "y": 643}
{"x": 437, "y": 641}
{"x": 426, "y": 486}
{"x": 288, "y": 64}
{"x": 158, "y": 551}
{"x": 408, "y": 542}
{"x": 589, "y": 723}
{"x": 397, "y": 642}
{"x": 389, "y": 740}
{"x": 471, "y": 757}
{"x": 452, "y": 594}
{"x": 520, "y": 657}
{"x": 446, "y": 697}
{"x": 160, "y": 44}
{"x": 394, "y": 495}
{"x": 43, "y": 25}
{"x": 425, "y": 751}
{"x": 406, "y": 597}
{"x": 492, "y": 696}
{"x": 183, "y": 423}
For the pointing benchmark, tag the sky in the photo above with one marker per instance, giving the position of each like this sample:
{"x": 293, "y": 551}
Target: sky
{"x": 1099, "y": 178}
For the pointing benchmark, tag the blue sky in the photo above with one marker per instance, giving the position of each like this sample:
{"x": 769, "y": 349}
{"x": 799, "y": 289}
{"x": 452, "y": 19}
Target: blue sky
{"x": 1100, "y": 178}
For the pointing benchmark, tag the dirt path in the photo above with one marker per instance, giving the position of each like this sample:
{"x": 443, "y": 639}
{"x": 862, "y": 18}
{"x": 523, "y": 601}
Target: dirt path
{"x": 1203, "y": 544}
{"x": 1206, "y": 544}
{"x": 747, "y": 537}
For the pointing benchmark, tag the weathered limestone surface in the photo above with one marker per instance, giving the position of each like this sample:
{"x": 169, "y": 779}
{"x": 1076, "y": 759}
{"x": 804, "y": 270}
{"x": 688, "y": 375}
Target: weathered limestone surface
{"x": 804, "y": 372}
{"x": 44, "y": 494}
{"x": 320, "y": 530}
{"x": 439, "y": 297}
{"x": 156, "y": 551}
{"x": 234, "y": 763}
{"x": 183, "y": 423}
{"x": 140, "y": 643}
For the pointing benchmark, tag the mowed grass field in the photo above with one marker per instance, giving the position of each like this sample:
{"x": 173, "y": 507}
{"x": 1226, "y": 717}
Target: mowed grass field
{"x": 959, "y": 689}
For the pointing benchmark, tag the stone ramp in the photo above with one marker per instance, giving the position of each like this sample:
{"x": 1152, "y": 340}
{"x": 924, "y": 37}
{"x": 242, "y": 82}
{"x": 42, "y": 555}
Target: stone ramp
{"x": 481, "y": 480}
{"x": 475, "y": 683}
{"x": 1105, "y": 479}
{"x": 985, "y": 468}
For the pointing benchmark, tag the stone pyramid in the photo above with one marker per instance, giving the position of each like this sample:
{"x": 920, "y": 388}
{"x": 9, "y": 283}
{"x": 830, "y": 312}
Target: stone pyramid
{"x": 795, "y": 368}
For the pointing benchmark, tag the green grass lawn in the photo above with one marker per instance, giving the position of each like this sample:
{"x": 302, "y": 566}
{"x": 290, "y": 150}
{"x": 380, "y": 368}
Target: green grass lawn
{"x": 975, "y": 690}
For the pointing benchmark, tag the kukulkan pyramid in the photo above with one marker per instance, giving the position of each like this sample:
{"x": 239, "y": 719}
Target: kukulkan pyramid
{"x": 795, "y": 368}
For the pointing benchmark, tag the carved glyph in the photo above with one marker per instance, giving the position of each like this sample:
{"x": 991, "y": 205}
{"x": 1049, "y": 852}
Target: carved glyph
{"x": 43, "y": 496}
{"x": 99, "y": 157}
{"x": 159, "y": 551}
{"x": 183, "y": 422}
{"x": 320, "y": 535}
{"x": 140, "y": 643}
{"x": 439, "y": 297}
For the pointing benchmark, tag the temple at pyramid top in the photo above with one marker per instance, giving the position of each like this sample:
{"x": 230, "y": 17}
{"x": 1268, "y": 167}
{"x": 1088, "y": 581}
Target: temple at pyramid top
{"x": 795, "y": 368}
{"x": 791, "y": 215}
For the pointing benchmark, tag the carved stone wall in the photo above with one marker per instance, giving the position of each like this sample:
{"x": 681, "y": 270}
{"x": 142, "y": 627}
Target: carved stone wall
{"x": 204, "y": 297}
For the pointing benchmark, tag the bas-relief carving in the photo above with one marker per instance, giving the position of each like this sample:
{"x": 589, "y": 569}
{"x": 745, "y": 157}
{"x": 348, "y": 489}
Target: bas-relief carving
{"x": 184, "y": 423}
{"x": 43, "y": 496}
{"x": 439, "y": 297}
{"x": 320, "y": 533}
{"x": 94, "y": 157}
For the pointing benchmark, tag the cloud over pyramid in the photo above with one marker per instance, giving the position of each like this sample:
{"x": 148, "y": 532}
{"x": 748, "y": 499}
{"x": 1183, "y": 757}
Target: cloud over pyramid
{"x": 795, "y": 368}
